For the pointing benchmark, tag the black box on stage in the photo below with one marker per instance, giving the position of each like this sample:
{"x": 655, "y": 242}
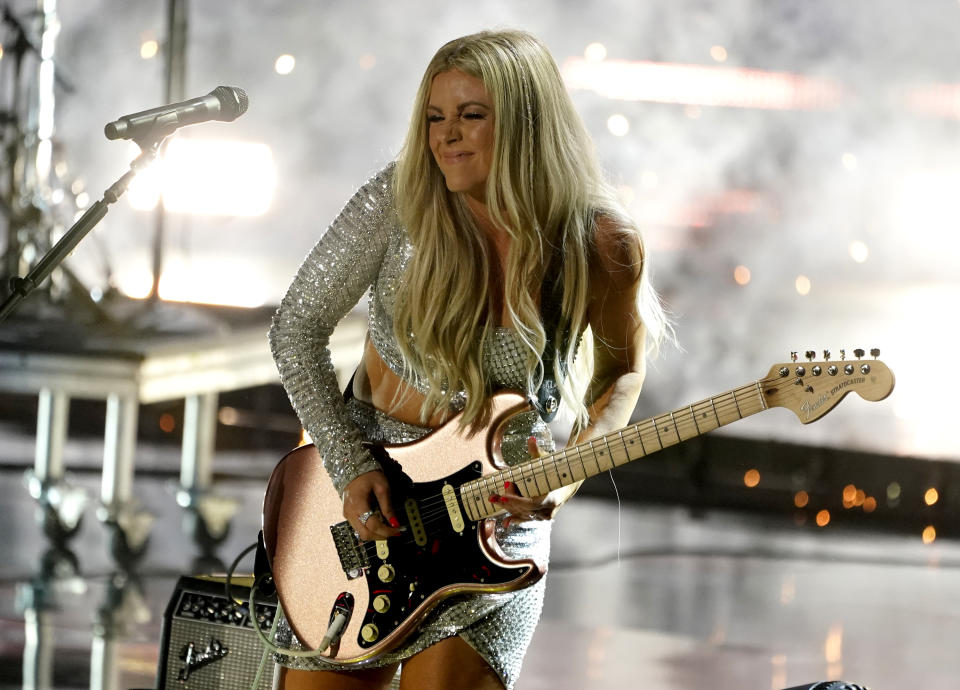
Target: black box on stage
{"x": 208, "y": 641}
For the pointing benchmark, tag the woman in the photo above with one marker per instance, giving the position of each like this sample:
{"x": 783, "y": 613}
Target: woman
{"x": 496, "y": 188}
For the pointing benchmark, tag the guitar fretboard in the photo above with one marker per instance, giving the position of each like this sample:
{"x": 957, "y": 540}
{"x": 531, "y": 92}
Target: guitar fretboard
{"x": 576, "y": 463}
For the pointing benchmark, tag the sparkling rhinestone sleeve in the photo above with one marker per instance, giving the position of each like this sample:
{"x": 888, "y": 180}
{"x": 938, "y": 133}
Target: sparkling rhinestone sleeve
{"x": 330, "y": 282}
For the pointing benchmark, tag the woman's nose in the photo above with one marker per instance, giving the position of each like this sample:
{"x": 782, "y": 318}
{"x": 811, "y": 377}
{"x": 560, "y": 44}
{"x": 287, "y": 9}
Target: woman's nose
{"x": 452, "y": 132}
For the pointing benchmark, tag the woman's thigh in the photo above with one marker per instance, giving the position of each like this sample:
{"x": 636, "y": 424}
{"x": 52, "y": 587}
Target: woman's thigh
{"x": 450, "y": 663}
{"x": 367, "y": 679}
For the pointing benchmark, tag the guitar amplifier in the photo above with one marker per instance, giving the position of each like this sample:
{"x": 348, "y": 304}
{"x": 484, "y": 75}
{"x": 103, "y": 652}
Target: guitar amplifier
{"x": 208, "y": 641}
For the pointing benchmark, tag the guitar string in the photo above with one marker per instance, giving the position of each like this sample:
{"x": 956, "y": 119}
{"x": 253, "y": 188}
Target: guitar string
{"x": 433, "y": 508}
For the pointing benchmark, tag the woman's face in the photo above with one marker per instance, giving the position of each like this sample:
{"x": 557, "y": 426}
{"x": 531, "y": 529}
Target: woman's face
{"x": 461, "y": 118}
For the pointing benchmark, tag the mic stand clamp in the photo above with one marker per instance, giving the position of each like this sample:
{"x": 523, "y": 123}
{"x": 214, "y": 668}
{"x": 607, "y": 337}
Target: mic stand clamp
{"x": 21, "y": 287}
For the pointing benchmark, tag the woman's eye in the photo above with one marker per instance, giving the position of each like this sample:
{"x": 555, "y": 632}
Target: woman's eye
{"x": 473, "y": 116}
{"x": 434, "y": 118}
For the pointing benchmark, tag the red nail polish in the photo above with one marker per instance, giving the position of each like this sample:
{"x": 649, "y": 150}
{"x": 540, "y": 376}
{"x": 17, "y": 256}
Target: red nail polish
{"x": 394, "y": 522}
{"x": 506, "y": 485}
{"x": 494, "y": 498}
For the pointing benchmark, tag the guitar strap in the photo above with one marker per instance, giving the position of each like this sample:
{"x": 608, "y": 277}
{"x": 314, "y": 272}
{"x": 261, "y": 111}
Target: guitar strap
{"x": 547, "y": 398}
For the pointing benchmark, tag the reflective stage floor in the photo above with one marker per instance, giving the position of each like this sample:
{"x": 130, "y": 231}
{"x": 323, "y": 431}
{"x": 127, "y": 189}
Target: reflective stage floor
{"x": 644, "y": 596}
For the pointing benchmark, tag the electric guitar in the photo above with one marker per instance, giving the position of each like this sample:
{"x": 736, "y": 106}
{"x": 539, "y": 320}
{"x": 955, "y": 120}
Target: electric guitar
{"x": 374, "y": 594}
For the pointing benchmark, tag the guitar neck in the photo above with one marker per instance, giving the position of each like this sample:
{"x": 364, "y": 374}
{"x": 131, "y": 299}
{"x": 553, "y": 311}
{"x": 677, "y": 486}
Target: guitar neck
{"x": 576, "y": 463}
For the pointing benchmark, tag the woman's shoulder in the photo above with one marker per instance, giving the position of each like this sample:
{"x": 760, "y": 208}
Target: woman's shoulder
{"x": 617, "y": 250}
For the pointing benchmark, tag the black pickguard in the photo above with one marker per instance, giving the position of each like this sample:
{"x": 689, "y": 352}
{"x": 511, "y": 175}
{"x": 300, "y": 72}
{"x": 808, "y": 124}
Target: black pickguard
{"x": 447, "y": 558}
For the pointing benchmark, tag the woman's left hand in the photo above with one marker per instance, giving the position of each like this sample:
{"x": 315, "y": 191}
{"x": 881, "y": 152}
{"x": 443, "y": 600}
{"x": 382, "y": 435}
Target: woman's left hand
{"x": 524, "y": 508}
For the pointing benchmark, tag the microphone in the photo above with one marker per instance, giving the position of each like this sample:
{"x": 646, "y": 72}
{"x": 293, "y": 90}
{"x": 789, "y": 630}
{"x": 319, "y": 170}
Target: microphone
{"x": 224, "y": 103}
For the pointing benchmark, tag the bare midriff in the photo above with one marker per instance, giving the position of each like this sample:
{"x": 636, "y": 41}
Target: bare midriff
{"x": 377, "y": 384}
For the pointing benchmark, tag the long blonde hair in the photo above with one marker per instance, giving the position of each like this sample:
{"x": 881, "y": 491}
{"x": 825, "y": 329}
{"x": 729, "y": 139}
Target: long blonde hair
{"x": 545, "y": 190}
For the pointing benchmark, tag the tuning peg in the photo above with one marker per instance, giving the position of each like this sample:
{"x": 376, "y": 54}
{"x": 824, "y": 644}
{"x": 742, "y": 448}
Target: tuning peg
{"x": 858, "y": 352}
{"x": 826, "y": 355}
{"x": 810, "y": 354}
{"x": 843, "y": 355}
{"x": 793, "y": 356}
{"x": 875, "y": 352}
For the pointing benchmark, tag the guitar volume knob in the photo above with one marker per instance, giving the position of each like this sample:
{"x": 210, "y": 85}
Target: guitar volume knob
{"x": 381, "y": 603}
{"x": 386, "y": 573}
{"x": 369, "y": 632}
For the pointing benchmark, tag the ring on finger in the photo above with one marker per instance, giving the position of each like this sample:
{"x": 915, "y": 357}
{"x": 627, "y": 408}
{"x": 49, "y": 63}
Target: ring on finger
{"x": 363, "y": 517}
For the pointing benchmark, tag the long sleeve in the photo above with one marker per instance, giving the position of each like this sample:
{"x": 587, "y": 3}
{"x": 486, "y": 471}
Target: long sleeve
{"x": 330, "y": 282}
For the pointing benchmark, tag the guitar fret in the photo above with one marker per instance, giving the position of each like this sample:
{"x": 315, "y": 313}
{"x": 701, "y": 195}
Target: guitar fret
{"x": 763, "y": 403}
{"x": 695, "y": 424}
{"x": 657, "y": 430}
{"x": 719, "y": 424}
{"x": 608, "y": 461}
{"x": 736, "y": 403}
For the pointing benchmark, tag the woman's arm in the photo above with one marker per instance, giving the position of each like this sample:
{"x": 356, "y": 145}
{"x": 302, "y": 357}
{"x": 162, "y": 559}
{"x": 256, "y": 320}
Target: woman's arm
{"x": 330, "y": 282}
{"x": 619, "y": 352}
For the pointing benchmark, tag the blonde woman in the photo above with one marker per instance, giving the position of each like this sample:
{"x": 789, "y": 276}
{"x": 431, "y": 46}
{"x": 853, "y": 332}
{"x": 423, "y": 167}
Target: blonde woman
{"x": 495, "y": 190}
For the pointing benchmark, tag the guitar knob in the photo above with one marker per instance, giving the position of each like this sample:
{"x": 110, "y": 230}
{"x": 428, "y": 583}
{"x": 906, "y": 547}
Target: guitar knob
{"x": 858, "y": 352}
{"x": 381, "y": 603}
{"x": 369, "y": 632}
{"x": 875, "y": 352}
{"x": 386, "y": 573}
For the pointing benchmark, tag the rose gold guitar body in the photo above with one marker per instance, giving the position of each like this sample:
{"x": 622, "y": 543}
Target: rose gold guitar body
{"x": 301, "y": 505}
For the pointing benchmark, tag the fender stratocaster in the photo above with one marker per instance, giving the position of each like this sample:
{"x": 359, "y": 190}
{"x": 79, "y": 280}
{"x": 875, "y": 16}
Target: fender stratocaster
{"x": 442, "y": 484}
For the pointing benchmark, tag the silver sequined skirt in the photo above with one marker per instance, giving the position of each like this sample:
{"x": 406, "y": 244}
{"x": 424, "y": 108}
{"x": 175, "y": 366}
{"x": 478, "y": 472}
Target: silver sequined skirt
{"x": 498, "y": 626}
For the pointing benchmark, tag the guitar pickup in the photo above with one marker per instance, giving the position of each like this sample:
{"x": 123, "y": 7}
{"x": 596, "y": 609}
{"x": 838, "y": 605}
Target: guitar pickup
{"x": 353, "y": 559}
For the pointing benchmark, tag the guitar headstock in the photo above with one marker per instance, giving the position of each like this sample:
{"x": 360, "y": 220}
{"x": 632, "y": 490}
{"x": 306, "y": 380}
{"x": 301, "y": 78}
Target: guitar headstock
{"x": 813, "y": 388}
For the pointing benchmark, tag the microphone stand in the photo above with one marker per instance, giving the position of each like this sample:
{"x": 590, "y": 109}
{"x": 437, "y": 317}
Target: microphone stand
{"x": 21, "y": 287}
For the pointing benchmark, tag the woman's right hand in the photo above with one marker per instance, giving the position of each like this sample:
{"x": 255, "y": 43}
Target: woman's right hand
{"x": 366, "y": 506}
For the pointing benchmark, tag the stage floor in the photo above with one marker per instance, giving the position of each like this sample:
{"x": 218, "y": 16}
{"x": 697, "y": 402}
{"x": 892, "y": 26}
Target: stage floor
{"x": 651, "y": 597}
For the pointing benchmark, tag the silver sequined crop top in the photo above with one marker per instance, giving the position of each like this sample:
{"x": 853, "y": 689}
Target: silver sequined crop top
{"x": 365, "y": 247}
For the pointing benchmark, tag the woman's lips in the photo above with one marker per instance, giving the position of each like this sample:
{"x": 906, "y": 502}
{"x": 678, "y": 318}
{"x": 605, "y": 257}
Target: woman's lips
{"x": 456, "y": 157}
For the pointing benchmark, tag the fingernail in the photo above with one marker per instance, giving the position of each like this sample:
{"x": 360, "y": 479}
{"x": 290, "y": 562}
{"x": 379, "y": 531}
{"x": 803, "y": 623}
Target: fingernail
{"x": 506, "y": 485}
{"x": 394, "y": 522}
{"x": 494, "y": 498}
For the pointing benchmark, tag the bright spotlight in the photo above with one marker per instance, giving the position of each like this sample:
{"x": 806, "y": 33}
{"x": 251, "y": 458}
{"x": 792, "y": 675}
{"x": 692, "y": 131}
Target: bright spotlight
{"x": 220, "y": 178}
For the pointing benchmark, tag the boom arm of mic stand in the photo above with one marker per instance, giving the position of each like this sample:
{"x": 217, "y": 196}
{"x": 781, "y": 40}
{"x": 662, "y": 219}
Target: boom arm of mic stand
{"x": 21, "y": 287}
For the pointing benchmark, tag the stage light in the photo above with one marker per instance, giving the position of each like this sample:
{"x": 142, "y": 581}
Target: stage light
{"x": 801, "y": 499}
{"x": 869, "y": 504}
{"x": 221, "y": 178}
{"x": 929, "y": 534}
{"x": 751, "y": 478}
{"x": 595, "y": 52}
{"x": 823, "y": 518}
{"x": 618, "y": 125}
{"x": 931, "y": 496}
{"x": 285, "y": 64}
{"x": 212, "y": 280}
{"x": 893, "y": 491}
{"x": 649, "y": 179}
{"x": 718, "y": 53}
{"x": 149, "y": 49}
{"x": 802, "y": 284}
{"x": 858, "y": 251}
{"x": 662, "y": 82}
{"x": 741, "y": 275}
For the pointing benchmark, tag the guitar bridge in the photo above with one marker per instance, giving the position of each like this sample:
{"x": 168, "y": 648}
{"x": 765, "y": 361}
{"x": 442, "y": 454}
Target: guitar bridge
{"x": 353, "y": 559}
